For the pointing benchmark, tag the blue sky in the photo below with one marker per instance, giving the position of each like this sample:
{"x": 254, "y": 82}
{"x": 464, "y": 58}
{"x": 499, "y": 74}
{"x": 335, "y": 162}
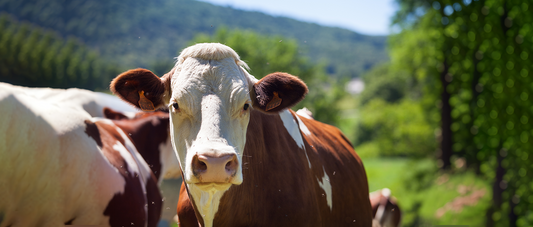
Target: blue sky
{"x": 370, "y": 17}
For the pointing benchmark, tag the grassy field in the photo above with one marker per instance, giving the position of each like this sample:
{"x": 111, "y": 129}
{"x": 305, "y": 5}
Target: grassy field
{"x": 428, "y": 197}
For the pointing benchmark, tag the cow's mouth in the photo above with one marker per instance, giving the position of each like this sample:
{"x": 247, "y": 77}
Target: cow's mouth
{"x": 213, "y": 186}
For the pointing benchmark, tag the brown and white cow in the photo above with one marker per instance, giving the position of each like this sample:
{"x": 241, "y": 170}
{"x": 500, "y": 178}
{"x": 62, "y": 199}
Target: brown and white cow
{"x": 60, "y": 166}
{"x": 247, "y": 160}
{"x": 385, "y": 208}
{"x": 149, "y": 132}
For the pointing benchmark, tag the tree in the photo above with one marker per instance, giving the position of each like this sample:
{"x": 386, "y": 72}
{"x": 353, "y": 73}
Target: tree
{"x": 31, "y": 56}
{"x": 479, "y": 60}
{"x": 268, "y": 54}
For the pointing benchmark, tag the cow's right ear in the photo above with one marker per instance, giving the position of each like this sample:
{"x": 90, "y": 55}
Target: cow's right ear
{"x": 142, "y": 88}
{"x": 278, "y": 91}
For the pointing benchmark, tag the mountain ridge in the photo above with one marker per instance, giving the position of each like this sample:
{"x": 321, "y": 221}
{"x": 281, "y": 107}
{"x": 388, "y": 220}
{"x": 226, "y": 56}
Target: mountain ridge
{"x": 140, "y": 33}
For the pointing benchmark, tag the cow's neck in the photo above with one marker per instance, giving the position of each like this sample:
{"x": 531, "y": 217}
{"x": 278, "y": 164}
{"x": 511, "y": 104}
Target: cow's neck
{"x": 207, "y": 199}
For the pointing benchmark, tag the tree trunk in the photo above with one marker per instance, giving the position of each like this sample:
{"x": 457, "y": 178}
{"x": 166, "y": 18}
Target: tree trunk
{"x": 497, "y": 189}
{"x": 446, "y": 119}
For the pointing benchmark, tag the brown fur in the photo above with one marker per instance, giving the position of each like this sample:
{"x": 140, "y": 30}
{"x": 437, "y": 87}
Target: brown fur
{"x": 128, "y": 84}
{"x": 280, "y": 190}
{"x": 147, "y": 132}
{"x": 291, "y": 90}
{"x": 126, "y": 208}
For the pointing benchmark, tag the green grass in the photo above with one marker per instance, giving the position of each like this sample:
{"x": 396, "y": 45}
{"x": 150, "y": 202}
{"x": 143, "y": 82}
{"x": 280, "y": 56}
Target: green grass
{"x": 421, "y": 190}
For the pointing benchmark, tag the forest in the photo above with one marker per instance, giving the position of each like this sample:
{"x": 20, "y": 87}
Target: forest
{"x": 443, "y": 120}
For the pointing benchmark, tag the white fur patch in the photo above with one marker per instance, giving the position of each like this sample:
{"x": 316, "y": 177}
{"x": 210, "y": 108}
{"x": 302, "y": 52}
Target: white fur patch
{"x": 326, "y": 185}
{"x": 304, "y": 112}
{"x": 207, "y": 199}
{"x": 303, "y": 128}
{"x": 293, "y": 129}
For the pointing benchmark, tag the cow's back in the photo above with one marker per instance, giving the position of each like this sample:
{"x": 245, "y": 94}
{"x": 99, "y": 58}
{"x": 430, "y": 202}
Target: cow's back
{"x": 80, "y": 99}
{"x": 342, "y": 173}
{"x": 52, "y": 171}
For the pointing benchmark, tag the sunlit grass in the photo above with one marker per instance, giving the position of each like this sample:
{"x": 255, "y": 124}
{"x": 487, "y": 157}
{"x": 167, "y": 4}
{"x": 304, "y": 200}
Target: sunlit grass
{"x": 427, "y": 196}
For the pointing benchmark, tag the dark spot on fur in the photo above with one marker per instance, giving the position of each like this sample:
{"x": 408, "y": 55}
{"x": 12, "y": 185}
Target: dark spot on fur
{"x": 92, "y": 131}
{"x": 69, "y": 222}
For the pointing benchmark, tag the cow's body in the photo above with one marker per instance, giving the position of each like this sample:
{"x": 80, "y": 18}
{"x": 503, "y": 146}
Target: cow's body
{"x": 150, "y": 134}
{"x": 385, "y": 208}
{"x": 244, "y": 166}
{"x": 81, "y": 99}
{"x": 60, "y": 166}
{"x": 311, "y": 177}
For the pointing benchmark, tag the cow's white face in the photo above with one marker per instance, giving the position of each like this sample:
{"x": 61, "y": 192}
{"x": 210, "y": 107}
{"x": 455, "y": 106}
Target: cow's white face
{"x": 209, "y": 113}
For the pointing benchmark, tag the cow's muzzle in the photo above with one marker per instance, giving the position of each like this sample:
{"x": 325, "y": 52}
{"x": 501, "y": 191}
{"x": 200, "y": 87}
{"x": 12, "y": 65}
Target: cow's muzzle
{"x": 211, "y": 165}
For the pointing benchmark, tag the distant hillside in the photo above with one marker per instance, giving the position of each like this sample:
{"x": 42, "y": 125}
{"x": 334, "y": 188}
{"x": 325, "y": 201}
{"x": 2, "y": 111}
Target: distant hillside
{"x": 138, "y": 33}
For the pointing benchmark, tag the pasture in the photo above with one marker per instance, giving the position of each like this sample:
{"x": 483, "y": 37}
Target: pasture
{"x": 443, "y": 120}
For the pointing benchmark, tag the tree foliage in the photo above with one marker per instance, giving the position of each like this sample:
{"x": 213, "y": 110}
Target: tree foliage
{"x": 31, "y": 56}
{"x": 392, "y": 121}
{"x": 473, "y": 60}
{"x": 267, "y": 54}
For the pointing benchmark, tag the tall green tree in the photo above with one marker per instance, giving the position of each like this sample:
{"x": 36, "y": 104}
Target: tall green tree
{"x": 474, "y": 57}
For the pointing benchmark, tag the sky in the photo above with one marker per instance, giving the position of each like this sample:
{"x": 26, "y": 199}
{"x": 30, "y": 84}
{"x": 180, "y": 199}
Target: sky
{"x": 369, "y": 17}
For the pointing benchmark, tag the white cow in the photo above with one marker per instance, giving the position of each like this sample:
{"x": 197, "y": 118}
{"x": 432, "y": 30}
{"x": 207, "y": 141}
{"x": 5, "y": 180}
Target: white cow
{"x": 58, "y": 165}
{"x": 90, "y": 101}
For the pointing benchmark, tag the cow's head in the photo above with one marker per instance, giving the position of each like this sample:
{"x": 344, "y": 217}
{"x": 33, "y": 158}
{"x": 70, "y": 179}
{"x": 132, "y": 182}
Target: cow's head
{"x": 210, "y": 96}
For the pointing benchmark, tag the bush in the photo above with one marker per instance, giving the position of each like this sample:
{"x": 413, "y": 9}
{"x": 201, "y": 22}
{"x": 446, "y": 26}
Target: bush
{"x": 395, "y": 129}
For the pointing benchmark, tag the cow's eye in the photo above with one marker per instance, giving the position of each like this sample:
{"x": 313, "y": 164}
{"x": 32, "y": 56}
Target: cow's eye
{"x": 246, "y": 106}
{"x": 176, "y": 106}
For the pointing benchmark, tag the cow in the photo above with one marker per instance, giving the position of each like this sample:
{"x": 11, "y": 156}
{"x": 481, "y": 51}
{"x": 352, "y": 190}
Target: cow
{"x": 149, "y": 132}
{"x": 60, "y": 166}
{"x": 90, "y": 101}
{"x": 245, "y": 157}
{"x": 385, "y": 208}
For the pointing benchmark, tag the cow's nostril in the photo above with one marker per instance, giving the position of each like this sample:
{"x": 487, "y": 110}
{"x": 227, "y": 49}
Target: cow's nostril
{"x": 198, "y": 165}
{"x": 202, "y": 165}
{"x": 231, "y": 165}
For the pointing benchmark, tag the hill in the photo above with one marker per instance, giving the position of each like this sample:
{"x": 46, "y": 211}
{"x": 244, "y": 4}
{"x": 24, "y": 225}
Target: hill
{"x": 139, "y": 33}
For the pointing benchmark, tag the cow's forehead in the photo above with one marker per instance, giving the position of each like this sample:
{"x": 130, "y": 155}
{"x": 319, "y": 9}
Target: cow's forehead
{"x": 198, "y": 76}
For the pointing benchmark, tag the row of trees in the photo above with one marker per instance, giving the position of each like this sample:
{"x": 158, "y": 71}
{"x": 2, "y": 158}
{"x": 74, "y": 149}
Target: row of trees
{"x": 466, "y": 67}
{"x": 137, "y": 33}
{"x": 32, "y": 56}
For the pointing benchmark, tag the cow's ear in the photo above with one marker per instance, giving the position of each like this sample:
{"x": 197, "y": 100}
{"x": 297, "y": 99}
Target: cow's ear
{"x": 278, "y": 91}
{"x": 113, "y": 115}
{"x": 142, "y": 88}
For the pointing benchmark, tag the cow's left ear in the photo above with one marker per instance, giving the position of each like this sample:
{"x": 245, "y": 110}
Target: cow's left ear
{"x": 113, "y": 115}
{"x": 278, "y": 91}
{"x": 142, "y": 88}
